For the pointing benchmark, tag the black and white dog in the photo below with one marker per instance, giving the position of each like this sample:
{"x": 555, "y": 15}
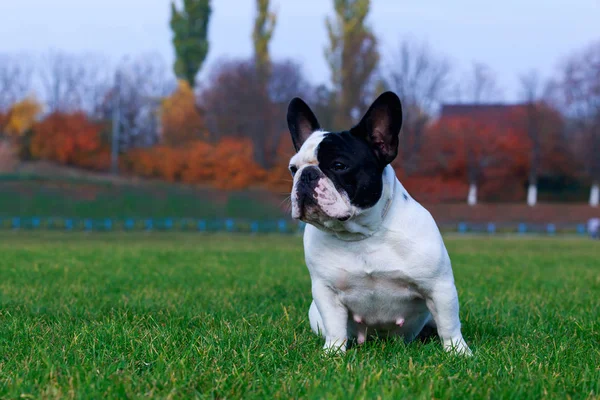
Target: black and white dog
{"x": 376, "y": 258}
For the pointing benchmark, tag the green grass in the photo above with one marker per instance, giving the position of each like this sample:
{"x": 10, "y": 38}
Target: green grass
{"x": 184, "y": 316}
{"x": 79, "y": 198}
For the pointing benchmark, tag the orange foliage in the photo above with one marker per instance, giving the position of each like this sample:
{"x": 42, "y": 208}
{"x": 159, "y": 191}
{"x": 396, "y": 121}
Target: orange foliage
{"x": 227, "y": 165}
{"x": 236, "y": 167}
{"x": 278, "y": 178}
{"x": 201, "y": 163}
{"x": 462, "y": 150}
{"x": 69, "y": 139}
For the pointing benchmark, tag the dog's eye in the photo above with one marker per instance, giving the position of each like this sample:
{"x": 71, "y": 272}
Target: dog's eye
{"x": 293, "y": 169}
{"x": 338, "y": 166}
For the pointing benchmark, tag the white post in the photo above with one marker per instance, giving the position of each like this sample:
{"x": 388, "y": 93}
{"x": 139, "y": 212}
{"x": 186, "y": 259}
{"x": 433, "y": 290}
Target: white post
{"x": 532, "y": 195}
{"x": 595, "y": 195}
{"x": 472, "y": 197}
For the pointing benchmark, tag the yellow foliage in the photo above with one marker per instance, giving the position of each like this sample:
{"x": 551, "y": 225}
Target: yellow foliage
{"x": 181, "y": 122}
{"x": 22, "y": 116}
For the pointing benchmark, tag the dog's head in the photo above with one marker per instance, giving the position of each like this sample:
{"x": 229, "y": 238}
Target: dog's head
{"x": 338, "y": 175}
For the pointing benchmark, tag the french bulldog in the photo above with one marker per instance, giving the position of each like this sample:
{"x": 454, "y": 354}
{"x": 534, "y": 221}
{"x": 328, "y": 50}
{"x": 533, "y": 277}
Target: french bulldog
{"x": 377, "y": 261}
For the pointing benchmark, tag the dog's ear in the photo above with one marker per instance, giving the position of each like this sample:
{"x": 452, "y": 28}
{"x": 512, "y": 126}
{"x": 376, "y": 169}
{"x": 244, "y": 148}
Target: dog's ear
{"x": 301, "y": 122}
{"x": 380, "y": 127}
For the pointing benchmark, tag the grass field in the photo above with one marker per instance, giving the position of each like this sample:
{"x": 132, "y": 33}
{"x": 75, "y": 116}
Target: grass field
{"x": 36, "y": 196}
{"x": 183, "y": 316}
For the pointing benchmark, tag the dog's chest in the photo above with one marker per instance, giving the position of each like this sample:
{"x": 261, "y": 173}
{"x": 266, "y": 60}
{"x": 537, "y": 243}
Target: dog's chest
{"x": 376, "y": 286}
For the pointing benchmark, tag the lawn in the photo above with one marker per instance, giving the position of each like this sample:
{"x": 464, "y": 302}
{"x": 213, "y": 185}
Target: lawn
{"x": 185, "y": 315}
{"x": 33, "y": 196}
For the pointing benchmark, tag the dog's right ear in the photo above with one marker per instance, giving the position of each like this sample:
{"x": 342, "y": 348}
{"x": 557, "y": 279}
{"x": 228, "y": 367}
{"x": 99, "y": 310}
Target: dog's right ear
{"x": 301, "y": 122}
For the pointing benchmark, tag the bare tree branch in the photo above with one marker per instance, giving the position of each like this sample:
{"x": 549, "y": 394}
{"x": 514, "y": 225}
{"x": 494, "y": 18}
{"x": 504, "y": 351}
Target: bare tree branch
{"x": 421, "y": 79}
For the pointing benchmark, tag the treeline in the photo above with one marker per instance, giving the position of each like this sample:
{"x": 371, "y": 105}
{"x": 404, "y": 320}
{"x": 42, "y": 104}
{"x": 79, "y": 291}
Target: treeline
{"x": 230, "y": 128}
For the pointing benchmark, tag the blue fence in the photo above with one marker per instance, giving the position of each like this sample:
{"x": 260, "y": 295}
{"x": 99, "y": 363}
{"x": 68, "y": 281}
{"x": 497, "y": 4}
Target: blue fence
{"x": 151, "y": 224}
{"x": 281, "y": 226}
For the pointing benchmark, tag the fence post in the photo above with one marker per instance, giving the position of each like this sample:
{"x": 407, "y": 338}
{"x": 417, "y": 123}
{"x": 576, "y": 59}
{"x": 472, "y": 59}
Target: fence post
{"x": 282, "y": 226}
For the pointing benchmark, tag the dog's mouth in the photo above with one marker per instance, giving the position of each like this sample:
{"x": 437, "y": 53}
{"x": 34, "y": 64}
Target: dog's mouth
{"x": 309, "y": 211}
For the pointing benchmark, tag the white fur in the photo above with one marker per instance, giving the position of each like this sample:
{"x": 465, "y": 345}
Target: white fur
{"x": 384, "y": 271}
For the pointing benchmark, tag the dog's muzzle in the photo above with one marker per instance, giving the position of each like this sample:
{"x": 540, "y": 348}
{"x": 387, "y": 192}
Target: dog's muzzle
{"x": 305, "y": 200}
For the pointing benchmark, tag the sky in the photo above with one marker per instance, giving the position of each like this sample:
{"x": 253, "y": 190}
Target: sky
{"x": 511, "y": 36}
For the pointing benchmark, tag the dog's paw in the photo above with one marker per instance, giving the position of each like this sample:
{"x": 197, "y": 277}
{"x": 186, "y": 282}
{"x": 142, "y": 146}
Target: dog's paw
{"x": 458, "y": 347}
{"x": 333, "y": 347}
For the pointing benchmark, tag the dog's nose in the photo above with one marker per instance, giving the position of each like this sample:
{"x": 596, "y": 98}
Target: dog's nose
{"x": 309, "y": 174}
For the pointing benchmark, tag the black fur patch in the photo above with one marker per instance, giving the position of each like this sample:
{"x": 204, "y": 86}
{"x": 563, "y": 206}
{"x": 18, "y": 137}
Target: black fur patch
{"x": 362, "y": 178}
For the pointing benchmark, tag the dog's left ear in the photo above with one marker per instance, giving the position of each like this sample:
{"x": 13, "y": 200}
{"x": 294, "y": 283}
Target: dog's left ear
{"x": 381, "y": 125}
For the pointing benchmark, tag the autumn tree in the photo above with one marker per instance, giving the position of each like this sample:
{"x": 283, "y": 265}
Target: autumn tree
{"x": 352, "y": 56}
{"x": 421, "y": 79}
{"x": 21, "y": 117}
{"x": 70, "y": 139}
{"x": 577, "y": 90}
{"x": 231, "y": 106}
{"x": 190, "y": 37}
{"x": 180, "y": 120}
{"x": 264, "y": 26}
{"x": 476, "y": 149}
{"x": 531, "y": 86}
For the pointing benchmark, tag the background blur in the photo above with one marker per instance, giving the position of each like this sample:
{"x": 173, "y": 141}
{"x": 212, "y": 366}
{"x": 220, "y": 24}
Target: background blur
{"x": 133, "y": 110}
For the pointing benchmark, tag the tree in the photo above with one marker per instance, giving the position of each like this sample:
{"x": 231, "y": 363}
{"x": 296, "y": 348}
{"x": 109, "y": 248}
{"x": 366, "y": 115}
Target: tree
{"x": 140, "y": 84}
{"x": 264, "y": 25}
{"x": 69, "y": 139}
{"x": 190, "y": 37}
{"x": 542, "y": 147}
{"x": 577, "y": 90}
{"x": 180, "y": 120}
{"x": 74, "y": 82}
{"x": 530, "y": 84}
{"x": 480, "y": 85}
{"x": 16, "y": 73}
{"x": 232, "y": 108}
{"x": 352, "y": 56}
{"x": 478, "y": 150}
{"x": 22, "y": 116}
{"x": 421, "y": 79}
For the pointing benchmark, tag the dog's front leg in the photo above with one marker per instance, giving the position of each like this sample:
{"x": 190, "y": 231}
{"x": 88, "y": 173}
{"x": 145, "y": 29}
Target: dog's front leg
{"x": 334, "y": 315}
{"x": 443, "y": 305}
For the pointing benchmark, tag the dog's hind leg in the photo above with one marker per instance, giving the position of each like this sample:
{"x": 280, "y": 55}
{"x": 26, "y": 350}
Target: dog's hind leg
{"x": 316, "y": 322}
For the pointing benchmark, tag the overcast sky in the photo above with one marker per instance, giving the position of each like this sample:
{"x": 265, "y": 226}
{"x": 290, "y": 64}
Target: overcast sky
{"x": 512, "y": 36}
